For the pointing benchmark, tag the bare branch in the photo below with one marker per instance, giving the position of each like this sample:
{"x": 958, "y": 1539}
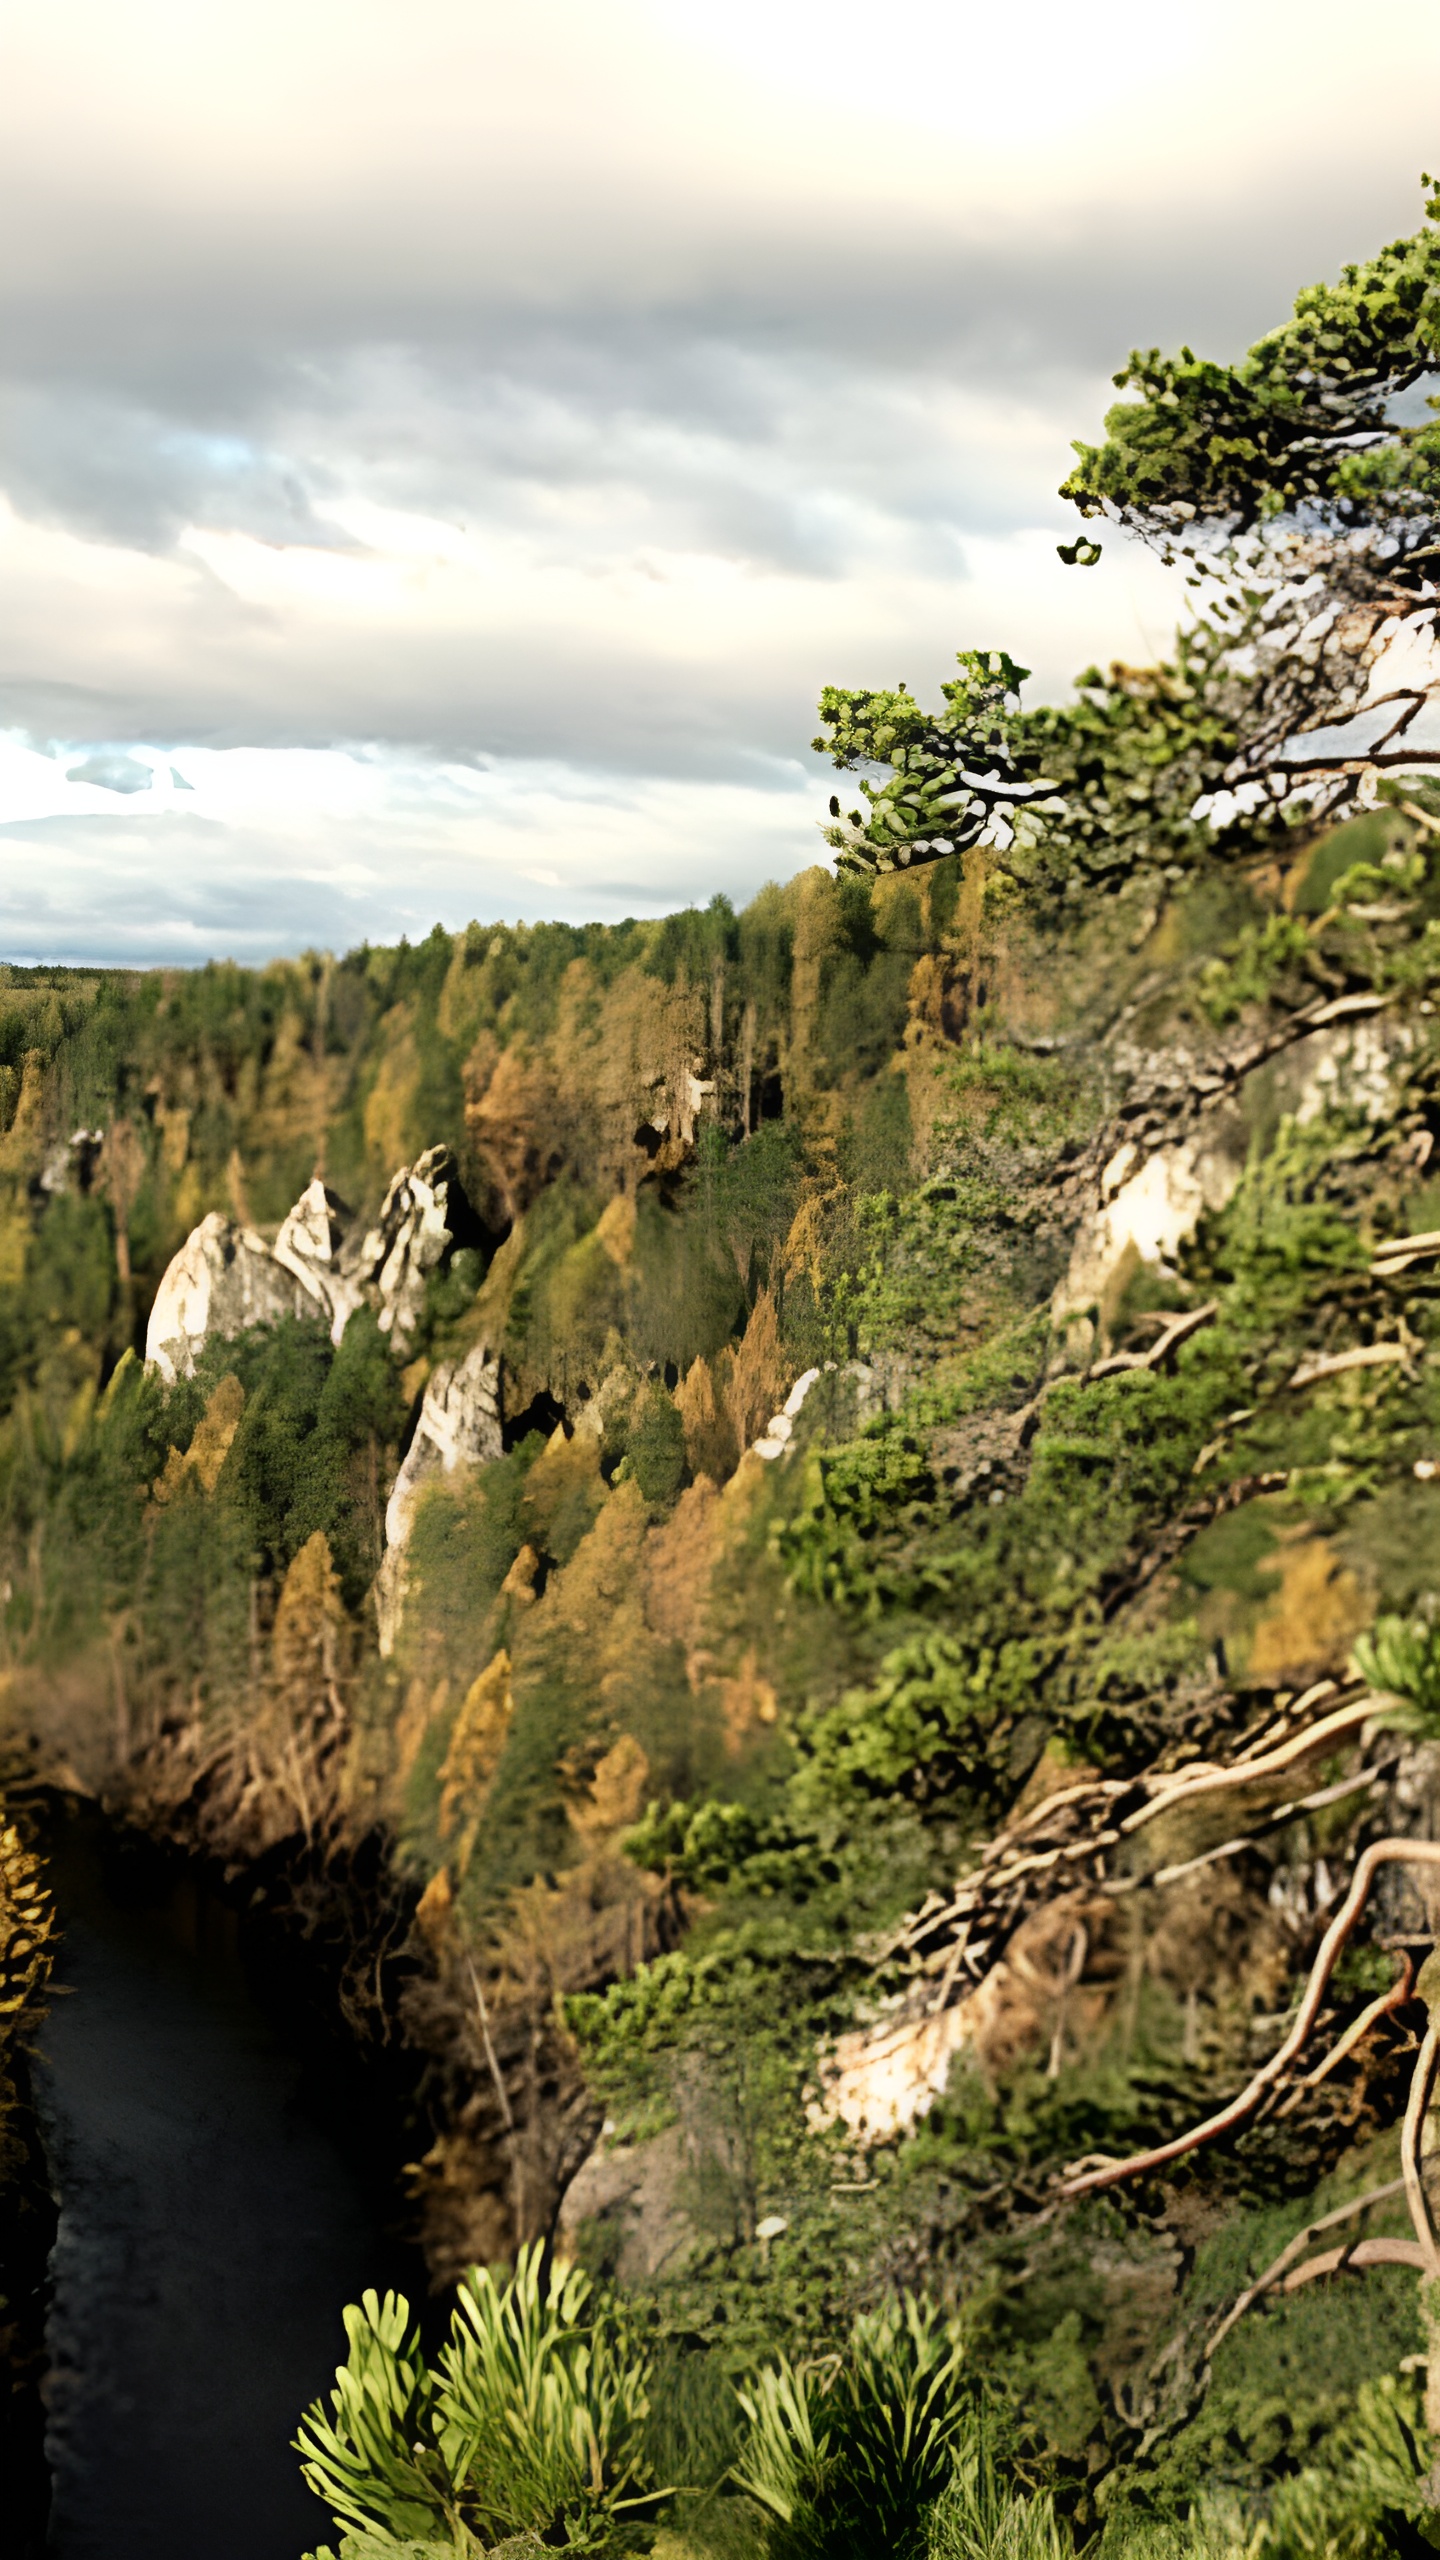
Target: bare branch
{"x": 496, "y": 2074}
{"x": 1293, "y": 2249}
{"x": 1343, "y": 1719}
{"x": 1388, "y": 2002}
{"x": 1366, "y": 1355}
{"x": 1276, "y": 1821}
{"x": 1380, "y": 1853}
{"x": 1422, "y": 2083}
{"x": 1178, "y": 1329}
{"x": 1359, "y": 2254}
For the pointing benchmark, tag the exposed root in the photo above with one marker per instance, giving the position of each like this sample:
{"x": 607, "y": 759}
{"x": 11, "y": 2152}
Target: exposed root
{"x": 1380, "y": 1853}
{"x": 1422, "y": 2083}
{"x": 1295, "y": 2248}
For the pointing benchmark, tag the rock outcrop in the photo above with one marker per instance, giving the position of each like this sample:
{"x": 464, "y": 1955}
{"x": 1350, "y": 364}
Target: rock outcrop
{"x": 424, "y": 1217}
{"x": 1151, "y": 1203}
{"x": 225, "y": 1277}
{"x": 223, "y": 1280}
{"x": 309, "y": 1245}
{"x": 459, "y": 1426}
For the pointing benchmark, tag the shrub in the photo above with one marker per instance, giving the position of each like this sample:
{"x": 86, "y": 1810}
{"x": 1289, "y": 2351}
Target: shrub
{"x": 530, "y": 2421}
{"x": 848, "y": 2454}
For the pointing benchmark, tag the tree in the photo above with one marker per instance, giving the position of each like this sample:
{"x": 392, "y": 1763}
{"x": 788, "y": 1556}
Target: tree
{"x": 1307, "y": 504}
{"x": 1307, "y": 509}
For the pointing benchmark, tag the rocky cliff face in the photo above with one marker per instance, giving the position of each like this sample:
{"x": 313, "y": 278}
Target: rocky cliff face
{"x": 225, "y": 1278}
{"x": 918, "y": 1378}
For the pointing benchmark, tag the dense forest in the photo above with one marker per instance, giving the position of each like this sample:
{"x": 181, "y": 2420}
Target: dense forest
{"x": 832, "y": 1603}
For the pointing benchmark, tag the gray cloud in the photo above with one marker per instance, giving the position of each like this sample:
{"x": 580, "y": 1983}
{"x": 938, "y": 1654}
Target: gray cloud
{"x": 613, "y": 313}
{"x": 238, "y": 380}
{"x": 89, "y": 458}
{"x": 175, "y": 889}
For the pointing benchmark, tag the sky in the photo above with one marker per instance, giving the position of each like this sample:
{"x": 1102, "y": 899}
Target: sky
{"x": 445, "y": 448}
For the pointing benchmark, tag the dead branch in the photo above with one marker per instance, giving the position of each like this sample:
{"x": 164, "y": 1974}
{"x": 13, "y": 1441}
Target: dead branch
{"x": 1276, "y": 1821}
{"x": 1065, "y": 1841}
{"x": 1358, "y": 2254}
{"x": 1389, "y": 2001}
{"x": 1357, "y": 1711}
{"x": 496, "y": 2074}
{"x": 1178, "y": 1329}
{"x": 1367, "y": 1355}
{"x": 1399, "y": 1252}
{"x": 1293, "y": 2249}
{"x": 1380, "y": 1853}
{"x": 1422, "y": 2083}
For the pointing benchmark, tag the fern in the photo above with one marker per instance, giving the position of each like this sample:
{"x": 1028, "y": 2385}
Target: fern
{"x": 374, "y": 2461}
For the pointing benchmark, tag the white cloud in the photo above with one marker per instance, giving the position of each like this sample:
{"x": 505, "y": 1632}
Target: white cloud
{"x": 569, "y": 393}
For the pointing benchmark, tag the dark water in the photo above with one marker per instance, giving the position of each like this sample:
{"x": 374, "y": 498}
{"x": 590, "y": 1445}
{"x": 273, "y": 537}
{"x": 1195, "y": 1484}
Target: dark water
{"x": 212, "y": 2225}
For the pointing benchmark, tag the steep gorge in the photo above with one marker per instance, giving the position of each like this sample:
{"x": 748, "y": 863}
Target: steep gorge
{"x": 876, "y": 1390}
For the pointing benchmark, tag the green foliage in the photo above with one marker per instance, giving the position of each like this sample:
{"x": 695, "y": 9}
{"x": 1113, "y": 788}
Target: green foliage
{"x": 541, "y": 2402}
{"x": 655, "y": 1446}
{"x": 374, "y": 2460}
{"x": 1362, "y": 2496}
{"x": 531, "y": 2419}
{"x": 1288, "y": 464}
{"x": 964, "y": 776}
{"x": 922, "y": 1722}
{"x": 981, "y": 2515}
{"x": 1302, "y": 421}
{"x": 860, "y": 2446}
{"x": 1401, "y": 1658}
{"x": 1286, "y": 1235}
{"x": 1067, "y": 798}
{"x": 923, "y": 1263}
{"x": 1262, "y": 958}
{"x": 1289, "y": 479}
{"x": 865, "y": 979}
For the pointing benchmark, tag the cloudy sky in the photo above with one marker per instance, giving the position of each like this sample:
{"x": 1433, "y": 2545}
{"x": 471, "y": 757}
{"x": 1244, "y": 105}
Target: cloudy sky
{"x": 445, "y": 447}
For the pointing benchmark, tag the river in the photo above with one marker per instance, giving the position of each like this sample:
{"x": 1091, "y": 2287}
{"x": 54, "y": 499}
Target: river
{"x": 214, "y": 2220}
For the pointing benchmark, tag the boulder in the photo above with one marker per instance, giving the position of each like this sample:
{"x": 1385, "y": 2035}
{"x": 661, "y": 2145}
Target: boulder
{"x": 223, "y": 1279}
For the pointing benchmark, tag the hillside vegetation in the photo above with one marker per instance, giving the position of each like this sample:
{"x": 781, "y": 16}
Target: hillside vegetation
{"x": 876, "y": 1746}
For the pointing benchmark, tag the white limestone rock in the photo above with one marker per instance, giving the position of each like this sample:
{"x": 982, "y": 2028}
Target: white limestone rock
{"x": 866, "y": 1399}
{"x": 881, "y": 2077}
{"x": 1148, "y": 1209}
{"x": 310, "y": 1244}
{"x": 70, "y": 1164}
{"x": 423, "y": 1216}
{"x": 226, "y": 1277}
{"x": 223, "y": 1279}
{"x": 459, "y": 1426}
{"x": 1145, "y": 1216}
